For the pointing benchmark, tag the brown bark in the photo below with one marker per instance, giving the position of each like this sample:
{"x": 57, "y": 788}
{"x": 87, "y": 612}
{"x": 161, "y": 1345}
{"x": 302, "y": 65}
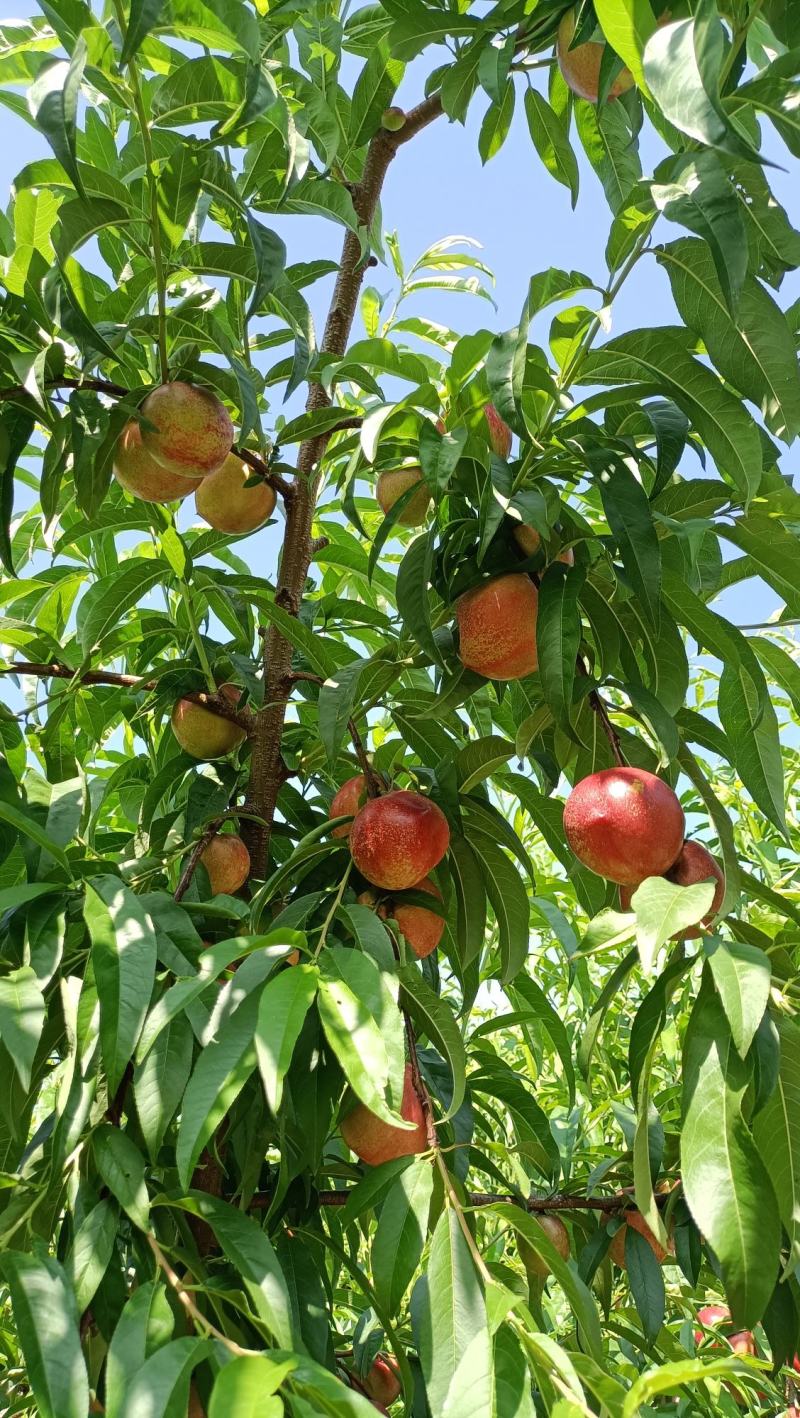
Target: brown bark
{"x": 268, "y": 771}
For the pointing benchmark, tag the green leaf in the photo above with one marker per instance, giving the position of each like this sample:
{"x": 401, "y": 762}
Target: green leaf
{"x": 159, "y": 1081}
{"x": 364, "y": 1028}
{"x": 285, "y": 1002}
{"x": 538, "y": 1004}
{"x": 373, "y": 92}
{"x": 611, "y": 149}
{"x": 218, "y": 1077}
{"x": 146, "y": 1322}
{"x": 669, "y": 1377}
{"x": 29, "y": 827}
{"x": 630, "y": 519}
{"x": 401, "y": 1233}
{"x": 774, "y": 550}
{"x": 752, "y": 728}
{"x": 448, "y": 1313}
{"x": 578, "y": 1294}
{"x": 122, "y": 1167}
{"x": 726, "y": 1185}
{"x": 22, "y": 1014}
{"x": 509, "y": 899}
{"x": 124, "y": 962}
{"x": 53, "y": 101}
{"x": 664, "y": 910}
{"x": 244, "y": 1387}
{"x": 776, "y": 1129}
{"x": 143, "y": 16}
{"x": 682, "y": 63}
{"x": 161, "y": 1387}
{"x": 496, "y": 123}
{"x": 108, "y": 599}
{"x": 659, "y": 359}
{"x": 91, "y": 1251}
{"x": 16, "y": 427}
{"x": 646, "y": 1282}
{"x": 695, "y": 191}
{"x": 558, "y": 636}
{"x": 46, "y": 1320}
{"x": 743, "y": 976}
{"x": 627, "y": 25}
{"x": 755, "y": 352}
{"x": 413, "y": 601}
{"x": 434, "y": 1017}
{"x": 493, "y": 67}
{"x": 249, "y": 1249}
{"x": 550, "y": 137}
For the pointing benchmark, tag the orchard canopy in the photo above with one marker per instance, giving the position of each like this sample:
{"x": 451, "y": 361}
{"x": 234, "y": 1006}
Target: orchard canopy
{"x": 399, "y": 895}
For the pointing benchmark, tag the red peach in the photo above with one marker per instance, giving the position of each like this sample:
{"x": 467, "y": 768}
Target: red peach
{"x": 227, "y": 861}
{"x": 694, "y": 864}
{"x": 201, "y": 732}
{"x": 141, "y": 475}
{"x": 382, "y": 1383}
{"x": 617, "y": 1248}
{"x": 624, "y": 824}
{"x": 581, "y": 66}
{"x": 497, "y": 627}
{"x": 397, "y": 839}
{"x": 224, "y": 502}
{"x": 192, "y": 434}
{"x": 375, "y": 1141}
{"x": 529, "y": 541}
{"x": 392, "y": 484}
{"x": 499, "y": 432}
{"x": 347, "y": 801}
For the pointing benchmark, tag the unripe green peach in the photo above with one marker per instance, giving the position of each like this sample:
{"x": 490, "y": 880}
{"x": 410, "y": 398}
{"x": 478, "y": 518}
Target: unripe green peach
{"x": 201, "y": 732}
{"x": 393, "y": 119}
{"x": 391, "y": 486}
{"x": 581, "y": 66}
{"x": 556, "y": 1232}
{"x": 227, "y": 504}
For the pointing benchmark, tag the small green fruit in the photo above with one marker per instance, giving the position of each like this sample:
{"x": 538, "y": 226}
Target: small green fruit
{"x": 393, "y": 119}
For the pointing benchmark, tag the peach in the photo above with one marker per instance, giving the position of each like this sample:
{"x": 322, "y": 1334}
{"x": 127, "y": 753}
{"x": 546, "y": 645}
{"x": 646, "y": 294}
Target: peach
{"x": 375, "y": 1141}
{"x": 227, "y": 505}
{"x": 227, "y": 861}
{"x": 382, "y": 1383}
{"x": 392, "y": 484}
{"x": 422, "y": 929}
{"x": 499, "y": 432}
{"x": 617, "y": 1248}
{"x": 581, "y": 66}
{"x": 201, "y": 732}
{"x": 141, "y": 475}
{"x": 694, "y": 864}
{"x": 624, "y": 824}
{"x": 556, "y": 1232}
{"x": 497, "y": 627}
{"x": 529, "y": 541}
{"x": 192, "y": 434}
{"x": 347, "y": 801}
{"x": 397, "y": 839}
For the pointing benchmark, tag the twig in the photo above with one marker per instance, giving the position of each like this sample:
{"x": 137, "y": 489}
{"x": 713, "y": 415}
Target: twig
{"x": 374, "y": 785}
{"x": 191, "y": 1308}
{"x": 97, "y": 386}
{"x": 258, "y": 465}
{"x": 600, "y": 708}
{"x": 560, "y": 1201}
{"x": 198, "y": 849}
{"x": 214, "y": 703}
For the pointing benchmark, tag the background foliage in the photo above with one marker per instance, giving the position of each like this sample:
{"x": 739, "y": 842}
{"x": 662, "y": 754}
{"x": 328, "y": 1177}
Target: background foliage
{"x": 169, "y": 1142}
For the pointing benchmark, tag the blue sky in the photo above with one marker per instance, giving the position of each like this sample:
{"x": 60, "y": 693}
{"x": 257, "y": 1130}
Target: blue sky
{"x": 438, "y": 187}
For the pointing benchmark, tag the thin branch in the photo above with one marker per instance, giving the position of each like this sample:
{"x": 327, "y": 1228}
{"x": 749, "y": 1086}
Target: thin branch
{"x": 598, "y": 704}
{"x": 276, "y": 482}
{"x": 214, "y": 703}
{"x": 97, "y": 386}
{"x": 374, "y": 785}
{"x": 196, "y": 1314}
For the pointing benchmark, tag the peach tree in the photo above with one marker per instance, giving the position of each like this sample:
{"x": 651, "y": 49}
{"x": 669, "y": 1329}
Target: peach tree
{"x": 341, "y": 1068}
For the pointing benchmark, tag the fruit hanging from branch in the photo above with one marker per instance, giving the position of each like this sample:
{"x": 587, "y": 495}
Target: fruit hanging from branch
{"x": 624, "y": 824}
{"x": 530, "y": 541}
{"x": 636, "y": 1222}
{"x": 204, "y": 734}
{"x": 499, "y": 432}
{"x": 375, "y": 1141}
{"x": 393, "y": 483}
{"x": 558, "y": 1235}
{"x": 693, "y": 865}
{"x": 226, "y": 503}
{"x": 347, "y": 801}
{"x": 397, "y": 839}
{"x": 497, "y": 627}
{"x": 422, "y": 929}
{"x": 137, "y": 471}
{"x": 187, "y": 430}
{"x": 382, "y": 1382}
{"x": 227, "y": 862}
{"x": 581, "y": 66}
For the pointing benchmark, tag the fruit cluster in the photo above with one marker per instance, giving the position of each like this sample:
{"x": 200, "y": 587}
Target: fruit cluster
{"x": 182, "y": 444}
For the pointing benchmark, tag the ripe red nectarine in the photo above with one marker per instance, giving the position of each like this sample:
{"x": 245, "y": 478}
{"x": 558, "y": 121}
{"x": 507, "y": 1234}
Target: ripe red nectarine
{"x": 694, "y": 864}
{"x": 617, "y": 1248}
{"x": 227, "y": 861}
{"x": 624, "y": 824}
{"x": 397, "y": 839}
{"x": 141, "y": 475}
{"x": 499, "y": 432}
{"x": 346, "y": 802}
{"x": 422, "y": 929}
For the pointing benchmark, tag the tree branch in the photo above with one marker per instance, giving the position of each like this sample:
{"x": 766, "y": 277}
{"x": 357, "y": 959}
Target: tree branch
{"x": 538, "y": 1205}
{"x": 266, "y": 774}
{"x": 214, "y": 703}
